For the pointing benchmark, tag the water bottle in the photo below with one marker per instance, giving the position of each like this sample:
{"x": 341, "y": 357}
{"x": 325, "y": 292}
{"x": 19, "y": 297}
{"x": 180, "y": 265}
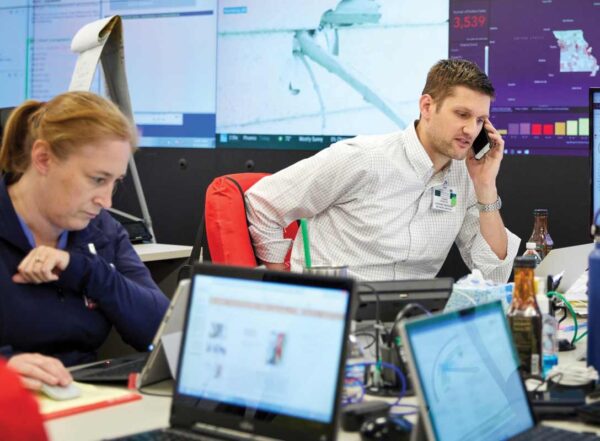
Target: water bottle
{"x": 531, "y": 251}
{"x": 593, "y": 339}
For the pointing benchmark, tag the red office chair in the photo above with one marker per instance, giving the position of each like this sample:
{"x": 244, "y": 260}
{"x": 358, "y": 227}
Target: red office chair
{"x": 19, "y": 415}
{"x": 226, "y": 225}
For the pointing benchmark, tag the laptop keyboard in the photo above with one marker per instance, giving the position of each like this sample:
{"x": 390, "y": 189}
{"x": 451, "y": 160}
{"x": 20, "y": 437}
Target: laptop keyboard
{"x": 114, "y": 370}
{"x": 167, "y": 435}
{"x": 545, "y": 433}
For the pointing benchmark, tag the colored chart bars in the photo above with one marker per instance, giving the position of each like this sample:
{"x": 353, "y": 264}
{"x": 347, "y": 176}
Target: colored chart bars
{"x": 574, "y": 127}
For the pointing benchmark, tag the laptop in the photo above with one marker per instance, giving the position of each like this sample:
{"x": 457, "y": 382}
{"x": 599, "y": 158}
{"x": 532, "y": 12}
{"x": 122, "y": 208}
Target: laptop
{"x": 154, "y": 366}
{"x": 466, "y": 376}
{"x": 573, "y": 261}
{"x": 262, "y": 356}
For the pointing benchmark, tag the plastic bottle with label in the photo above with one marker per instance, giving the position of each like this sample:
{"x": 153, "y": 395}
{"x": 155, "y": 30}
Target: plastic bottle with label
{"x": 531, "y": 251}
{"x": 525, "y": 318}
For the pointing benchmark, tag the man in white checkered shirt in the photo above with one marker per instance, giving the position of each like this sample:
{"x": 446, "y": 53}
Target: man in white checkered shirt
{"x": 390, "y": 206}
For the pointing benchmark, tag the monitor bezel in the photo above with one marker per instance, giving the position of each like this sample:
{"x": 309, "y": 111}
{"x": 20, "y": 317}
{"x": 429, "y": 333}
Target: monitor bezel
{"x": 592, "y": 156}
{"x": 393, "y": 295}
{"x": 424, "y": 409}
{"x": 186, "y": 411}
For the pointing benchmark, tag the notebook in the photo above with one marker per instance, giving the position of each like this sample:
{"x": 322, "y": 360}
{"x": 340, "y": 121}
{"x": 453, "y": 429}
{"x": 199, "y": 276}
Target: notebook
{"x": 573, "y": 261}
{"x": 262, "y": 355}
{"x": 153, "y": 366}
{"x": 465, "y": 371}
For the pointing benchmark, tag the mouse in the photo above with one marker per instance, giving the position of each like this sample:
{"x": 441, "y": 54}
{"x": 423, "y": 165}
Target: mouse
{"x": 60, "y": 393}
{"x": 386, "y": 428}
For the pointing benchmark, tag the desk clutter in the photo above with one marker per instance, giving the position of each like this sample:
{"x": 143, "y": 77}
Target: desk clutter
{"x": 398, "y": 349}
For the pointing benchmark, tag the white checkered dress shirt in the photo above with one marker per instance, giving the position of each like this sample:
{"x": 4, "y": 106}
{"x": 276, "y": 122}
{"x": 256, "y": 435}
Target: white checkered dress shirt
{"x": 368, "y": 201}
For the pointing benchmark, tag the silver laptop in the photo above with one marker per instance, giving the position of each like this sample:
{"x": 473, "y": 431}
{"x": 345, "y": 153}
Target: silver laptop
{"x": 467, "y": 381}
{"x": 262, "y": 356}
{"x": 571, "y": 261}
{"x": 153, "y": 366}
{"x": 161, "y": 361}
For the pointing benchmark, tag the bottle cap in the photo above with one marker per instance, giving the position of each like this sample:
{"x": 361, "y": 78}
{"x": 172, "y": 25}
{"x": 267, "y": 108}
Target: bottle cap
{"x": 530, "y": 245}
{"x": 525, "y": 262}
{"x": 540, "y": 212}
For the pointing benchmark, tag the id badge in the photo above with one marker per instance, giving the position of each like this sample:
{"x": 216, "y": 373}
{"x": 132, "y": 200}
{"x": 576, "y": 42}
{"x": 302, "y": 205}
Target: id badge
{"x": 444, "y": 198}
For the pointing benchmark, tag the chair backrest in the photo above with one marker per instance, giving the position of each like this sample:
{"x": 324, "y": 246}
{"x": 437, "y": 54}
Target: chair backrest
{"x": 227, "y": 233}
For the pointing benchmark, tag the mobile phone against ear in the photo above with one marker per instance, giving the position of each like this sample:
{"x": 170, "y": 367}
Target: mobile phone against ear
{"x": 482, "y": 144}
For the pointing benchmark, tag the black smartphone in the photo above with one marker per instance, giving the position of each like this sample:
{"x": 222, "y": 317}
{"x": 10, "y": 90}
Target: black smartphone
{"x": 482, "y": 144}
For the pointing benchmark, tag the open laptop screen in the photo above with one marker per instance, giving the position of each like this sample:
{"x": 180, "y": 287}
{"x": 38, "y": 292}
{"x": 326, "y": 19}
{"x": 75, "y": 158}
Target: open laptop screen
{"x": 270, "y": 346}
{"x": 468, "y": 374}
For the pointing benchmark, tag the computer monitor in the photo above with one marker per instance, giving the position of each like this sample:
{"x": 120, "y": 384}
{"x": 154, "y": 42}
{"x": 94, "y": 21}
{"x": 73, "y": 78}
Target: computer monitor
{"x": 540, "y": 105}
{"x": 391, "y": 296}
{"x": 170, "y": 59}
{"x": 594, "y": 104}
{"x": 292, "y": 74}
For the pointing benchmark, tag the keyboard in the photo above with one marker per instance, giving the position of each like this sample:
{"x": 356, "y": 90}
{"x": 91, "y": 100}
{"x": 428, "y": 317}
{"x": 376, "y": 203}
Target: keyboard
{"x": 167, "y": 435}
{"x": 545, "y": 433}
{"x": 113, "y": 370}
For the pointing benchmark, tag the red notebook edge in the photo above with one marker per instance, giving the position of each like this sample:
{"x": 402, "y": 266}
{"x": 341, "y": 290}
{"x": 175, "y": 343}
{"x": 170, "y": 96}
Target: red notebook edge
{"x": 92, "y": 406}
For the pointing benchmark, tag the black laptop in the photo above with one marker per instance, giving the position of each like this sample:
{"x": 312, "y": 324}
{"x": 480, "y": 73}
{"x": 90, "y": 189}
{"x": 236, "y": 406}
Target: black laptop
{"x": 262, "y": 355}
{"x": 465, "y": 371}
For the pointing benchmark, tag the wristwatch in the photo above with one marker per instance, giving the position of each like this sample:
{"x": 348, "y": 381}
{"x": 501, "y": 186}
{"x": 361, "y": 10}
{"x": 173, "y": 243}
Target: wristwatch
{"x": 486, "y": 208}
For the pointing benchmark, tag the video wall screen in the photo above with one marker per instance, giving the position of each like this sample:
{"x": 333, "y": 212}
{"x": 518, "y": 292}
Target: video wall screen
{"x": 539, "y": 56}
{"x": 170, "y": 56}
{"x": 301, "y": 74}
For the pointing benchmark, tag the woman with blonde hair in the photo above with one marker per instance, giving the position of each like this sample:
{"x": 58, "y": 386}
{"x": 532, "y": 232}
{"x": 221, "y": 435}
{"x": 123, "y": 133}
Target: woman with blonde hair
{"x": 68, "y": 272}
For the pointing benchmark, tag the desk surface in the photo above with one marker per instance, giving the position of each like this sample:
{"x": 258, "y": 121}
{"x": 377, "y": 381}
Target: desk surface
{"x": 149, "y": 252}
{"x": 152, "y": 412}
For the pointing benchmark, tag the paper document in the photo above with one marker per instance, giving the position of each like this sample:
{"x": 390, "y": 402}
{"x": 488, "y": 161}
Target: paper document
{"x": 92, "y": 397}
{"x": 578, "y": 291}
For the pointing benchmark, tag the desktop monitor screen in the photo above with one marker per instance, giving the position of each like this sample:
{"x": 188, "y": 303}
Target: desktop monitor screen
{"x": 390, "y": 296}
{"x": 302, "y": 74}
{"x": 541, "y": 57}
{"x": 170, "y": 58}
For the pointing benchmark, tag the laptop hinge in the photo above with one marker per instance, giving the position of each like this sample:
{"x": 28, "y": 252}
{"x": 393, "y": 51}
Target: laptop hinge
{"x": 221, "y": 432}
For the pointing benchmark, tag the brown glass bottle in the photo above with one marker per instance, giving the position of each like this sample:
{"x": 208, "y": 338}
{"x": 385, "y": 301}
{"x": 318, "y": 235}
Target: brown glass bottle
{"x": 540, "y": 234}
{"x": 525, "y": 318}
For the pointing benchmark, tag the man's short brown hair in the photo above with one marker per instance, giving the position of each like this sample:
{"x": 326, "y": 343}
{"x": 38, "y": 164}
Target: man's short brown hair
{"x": 445, "y": 75}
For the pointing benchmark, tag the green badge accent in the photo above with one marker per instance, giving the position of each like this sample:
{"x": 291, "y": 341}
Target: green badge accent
{"x": 453, "y": 199}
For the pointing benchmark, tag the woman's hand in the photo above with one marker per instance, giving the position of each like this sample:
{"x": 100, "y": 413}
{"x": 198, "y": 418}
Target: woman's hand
{"x": 42, "y": 264}
{"x": 36, "y": 369}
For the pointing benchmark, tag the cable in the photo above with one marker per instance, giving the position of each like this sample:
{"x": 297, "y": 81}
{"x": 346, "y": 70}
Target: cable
{"x": 368, "y": 334}
{"x": 378, "y": 365}
{"x": 401, "y": 315}
{"x": 572, "y": 311}
{"x": 378, "y": 324}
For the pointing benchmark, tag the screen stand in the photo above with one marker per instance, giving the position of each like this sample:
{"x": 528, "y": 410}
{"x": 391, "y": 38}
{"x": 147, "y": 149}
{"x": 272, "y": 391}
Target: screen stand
{"x": 102, "y": 41}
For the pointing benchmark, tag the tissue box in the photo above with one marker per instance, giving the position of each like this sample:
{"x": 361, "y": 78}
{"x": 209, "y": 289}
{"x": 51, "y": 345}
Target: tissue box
{"x": 474, "y": 290}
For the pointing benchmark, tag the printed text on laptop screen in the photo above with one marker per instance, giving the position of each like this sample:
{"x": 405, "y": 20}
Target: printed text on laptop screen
{"x": 252, "y": 343}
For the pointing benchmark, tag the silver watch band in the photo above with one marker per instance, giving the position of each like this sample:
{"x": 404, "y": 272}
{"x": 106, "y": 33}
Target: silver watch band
{"x": 486, "y": 208}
